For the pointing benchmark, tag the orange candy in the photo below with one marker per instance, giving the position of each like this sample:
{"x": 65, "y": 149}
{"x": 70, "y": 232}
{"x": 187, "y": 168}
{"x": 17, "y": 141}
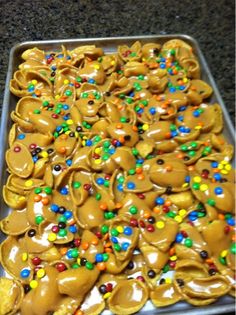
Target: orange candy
{"x": 168, "y": 168}
{"x": 63, "y": 251}
{"x": 172, "y": 251}
{"x": 141, "y": 176}
{"x": 37, "y": 198}
{"x": 79, "y": 312}
{"x": 103, "y": 206}
{"x": 45, "y": 201}
{"x": 119, "y": 126}
{"x": 62, "y": 150}
{"x": 156, "y": 210}
{"x": 94, "y": 241}
{"x": 146, "y": 214}
{"x": 85, "y": 245}
{"x": 101, "y": 266}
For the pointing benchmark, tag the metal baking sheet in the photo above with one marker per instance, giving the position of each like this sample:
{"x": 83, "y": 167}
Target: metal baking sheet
{"x": 225, "y": 304}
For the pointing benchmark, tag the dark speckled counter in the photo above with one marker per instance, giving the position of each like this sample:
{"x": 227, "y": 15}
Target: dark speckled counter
{"x": 210, "y": 22}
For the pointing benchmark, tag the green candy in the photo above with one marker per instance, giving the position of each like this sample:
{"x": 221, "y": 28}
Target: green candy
{"x": 211, "y": 202}
{"x": 129, "y": 100}
{"x": 79, "y": 79}
{"x": 84, "y": 95}
{"x": 233, "y": 249}
{"x": 171, "y": 214}
{"x": 131, "y": 171}
{"x": 222, "y": 260}
{"x": 39, "y": 219}
{"x": 193, "y": 145}
{"x": 62, "y": 232}
{"x": 37, "y": 190}
{"x": 105, "y": 256}
{"x": 122, "y": 96}
{"x": 48, "y": 190}
{"x": 123, "y": 119}
{"x": 172, "y": 127}
{"x": 45, "y": 103}
{"x": 75, "y": 266}
{"x": 76, "y": 185}
{"x": 106, "y": 183}
{"x": 121, "y": 179}
{"x": 37, "y": 111}
{"x": 192, "y": 153}
{"x": 184, "y": 147}
{"x": 89, "y": 265}
{"x": 133, "y": 210}
{"x": 106, "y": 144}
{"x": 135, "y": 151}
{"x": 188, "y": 242}
{"x": 166, "y": 268}
{"x": 104, "y": 229}
{"x": 144, "y": 102}
{"x": 98, "y": 196}
{"x": 140, "y": 77}
{"x": 117, "y": 247}
{"x": 172, "y": 52}
{"x": 62, "y": 218}
{"x": 196, "y": 186}
{"x": 114, "y": 232}
{"x": 74, "y": 253}
{"x": 105, "y": 157}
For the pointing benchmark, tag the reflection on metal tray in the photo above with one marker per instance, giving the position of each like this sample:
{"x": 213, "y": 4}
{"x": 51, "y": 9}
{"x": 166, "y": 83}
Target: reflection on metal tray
{"x": 109, "y": 45}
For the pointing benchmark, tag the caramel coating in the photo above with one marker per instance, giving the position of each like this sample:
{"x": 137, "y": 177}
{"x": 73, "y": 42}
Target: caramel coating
{"x": 120, "y": 183}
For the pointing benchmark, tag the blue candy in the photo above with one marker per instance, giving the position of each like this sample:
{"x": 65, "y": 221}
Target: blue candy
{"x": 25, "y": 273}
{"x": 125, "y": 246}
{"x": 54, "y": 207}
{"x": 128, "y": 230}
{"x": 160, "y": 201}
{"x": 99, "y": 258}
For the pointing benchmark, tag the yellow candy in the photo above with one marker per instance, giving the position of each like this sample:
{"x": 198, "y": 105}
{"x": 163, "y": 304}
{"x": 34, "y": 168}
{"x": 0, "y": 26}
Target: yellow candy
{"x": 178, "y": 218}
{"x": 112, "y": 62}
{"x": 34, "y": 82}
{"x": 198, "y": 127}
{"x": 66, "y": 82}
{"x": 220, "y": 166}
{"x": 98, "y": 150}
{"x": 24, "y": 256}
{"x": 67, "y": 132}
{"x": 160, "y": 224}
{"x": 52, "y": 237}
{"x": 228, "y": 167}
{"x": 98, "y": 161}
{"x": 44, "y": 154}
{"x": 76, "y": 134}
{"x": 224, "y": 253}
{"x": 224, "y": 162}
{"x": 21, "y": 198}
{"x": 33, "y": 284}
{"x": 185, "y": 80}
{"x": 203, "y": 187}
{"x": 106, "y": 295}
{"x": 197, "y": 179}
{"x": 173, "y": 258}
{"x": 78, "y": 261}
{"x": 120, "y": 229}
{"x": 145, "y": 127}
{"x": 96, "y": 67}
{"x": 40, "y": 273}
{"x": 29, "y": 183}
{"x": 83, "y": 143}
{"x": 57, "y": 96}
{"x": 185, "y": 185}
{"x": 69, "y": 122}
{"x": 168, "y": 280}
{"x": 182, "y": 212}
{"x": 224, "y": 172}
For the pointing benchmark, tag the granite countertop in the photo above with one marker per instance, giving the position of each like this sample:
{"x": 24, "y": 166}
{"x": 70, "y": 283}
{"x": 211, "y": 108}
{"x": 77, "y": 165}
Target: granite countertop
{"x": 210, "y": 22}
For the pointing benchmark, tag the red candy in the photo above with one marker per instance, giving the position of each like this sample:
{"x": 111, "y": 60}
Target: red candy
{"x": 60, "y": 267}
{"x": 150, "y": 228}
{"x": 133, "y": 222}
{"x": 109, "y": 287}
{"x": 17, "y": 149}
{"x": 36, "y": 261}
